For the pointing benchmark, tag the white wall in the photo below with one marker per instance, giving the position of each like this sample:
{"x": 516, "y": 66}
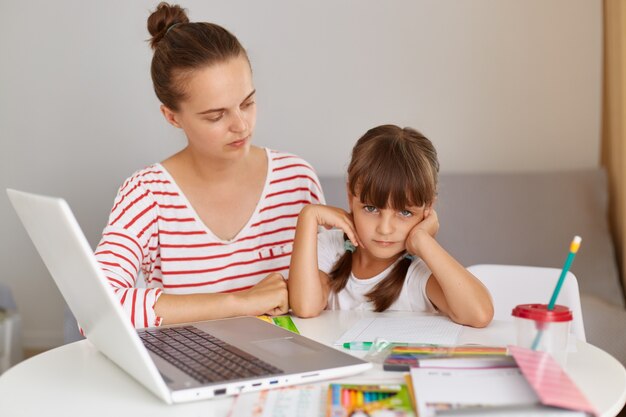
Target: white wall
{"x": 498, "y": 85}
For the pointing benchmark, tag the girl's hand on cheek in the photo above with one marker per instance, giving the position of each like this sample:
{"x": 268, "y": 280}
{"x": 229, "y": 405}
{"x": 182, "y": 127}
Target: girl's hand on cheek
{"x": 429, "y": 226}
{"x": 330, "y": 217}
{"x": 430, "y": 223}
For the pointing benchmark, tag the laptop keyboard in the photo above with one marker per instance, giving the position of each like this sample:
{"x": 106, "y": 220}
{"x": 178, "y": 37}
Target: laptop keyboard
{"x": 203, "y": 356}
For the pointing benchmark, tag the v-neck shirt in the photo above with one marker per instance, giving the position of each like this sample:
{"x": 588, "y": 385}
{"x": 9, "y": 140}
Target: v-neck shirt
{"x": 154, "y": 229}
{"x": 196, "y": 216}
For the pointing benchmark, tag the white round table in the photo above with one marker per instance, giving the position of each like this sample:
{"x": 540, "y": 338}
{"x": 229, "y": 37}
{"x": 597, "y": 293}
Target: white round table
{"x": 76, "y": 380}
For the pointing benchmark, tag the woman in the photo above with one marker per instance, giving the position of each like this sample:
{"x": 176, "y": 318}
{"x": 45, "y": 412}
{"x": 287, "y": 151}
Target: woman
{"x": 211, "y": 227}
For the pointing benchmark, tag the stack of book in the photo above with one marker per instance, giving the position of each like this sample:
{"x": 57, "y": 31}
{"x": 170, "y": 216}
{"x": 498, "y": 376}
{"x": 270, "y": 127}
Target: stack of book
{"x": 526, "y": 383}
{"x": 403, "y": 358}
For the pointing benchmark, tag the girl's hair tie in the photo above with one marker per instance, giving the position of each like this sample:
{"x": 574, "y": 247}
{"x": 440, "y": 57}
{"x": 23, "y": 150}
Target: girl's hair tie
{"x": 348, "y": 246}
{"x": 408, "y": 256}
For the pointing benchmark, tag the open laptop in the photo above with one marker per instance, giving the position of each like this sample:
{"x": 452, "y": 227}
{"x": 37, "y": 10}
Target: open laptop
{"x": 231, "y": 355}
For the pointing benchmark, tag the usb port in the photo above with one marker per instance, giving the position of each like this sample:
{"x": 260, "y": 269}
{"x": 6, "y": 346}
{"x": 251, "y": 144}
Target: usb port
{"x": 274, "y": 382}
{"x": 256, "y": 384}
{"x": 220, "y": 391}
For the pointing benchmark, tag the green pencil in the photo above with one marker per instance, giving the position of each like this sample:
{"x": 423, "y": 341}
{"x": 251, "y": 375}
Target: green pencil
{"x": 573, "y": 248}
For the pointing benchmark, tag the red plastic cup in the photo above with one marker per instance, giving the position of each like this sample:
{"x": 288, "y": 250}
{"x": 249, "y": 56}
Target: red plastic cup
{"x": 541, "y": 329}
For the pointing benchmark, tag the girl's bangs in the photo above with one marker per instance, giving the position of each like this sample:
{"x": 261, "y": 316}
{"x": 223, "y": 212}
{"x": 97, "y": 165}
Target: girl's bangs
{"x": 387, "y": 185}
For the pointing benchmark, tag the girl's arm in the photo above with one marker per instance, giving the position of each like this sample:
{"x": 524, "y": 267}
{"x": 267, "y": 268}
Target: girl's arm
{"x": 308, "y": 286}
{"x": 452, "y": 288}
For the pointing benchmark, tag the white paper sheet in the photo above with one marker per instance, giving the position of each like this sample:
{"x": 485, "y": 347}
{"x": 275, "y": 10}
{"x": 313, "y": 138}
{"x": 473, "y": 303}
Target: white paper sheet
{"x": 449, "y": 389}
{"x": 437, "y": 330}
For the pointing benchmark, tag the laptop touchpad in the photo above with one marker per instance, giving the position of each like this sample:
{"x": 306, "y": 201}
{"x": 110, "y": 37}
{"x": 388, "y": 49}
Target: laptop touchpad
{"x": 283, "y": 347}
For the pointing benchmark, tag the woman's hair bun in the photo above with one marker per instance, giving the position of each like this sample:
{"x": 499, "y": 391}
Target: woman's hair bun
{"x": 162, "y": 19}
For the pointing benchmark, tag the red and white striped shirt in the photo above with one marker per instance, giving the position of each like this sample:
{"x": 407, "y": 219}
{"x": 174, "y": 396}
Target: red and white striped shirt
{"x": 153, "y": 229}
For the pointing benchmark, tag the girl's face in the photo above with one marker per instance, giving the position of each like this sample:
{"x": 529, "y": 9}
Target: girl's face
{"x": 383, "y": 231}
{"x": 219, "y": 114}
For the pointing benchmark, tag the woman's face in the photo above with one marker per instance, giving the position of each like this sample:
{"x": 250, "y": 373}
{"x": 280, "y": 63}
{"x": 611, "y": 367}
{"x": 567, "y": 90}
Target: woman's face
{"x": 219, "y": 113}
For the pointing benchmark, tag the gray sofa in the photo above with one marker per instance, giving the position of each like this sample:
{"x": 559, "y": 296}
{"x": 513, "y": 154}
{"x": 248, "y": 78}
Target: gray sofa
{"x": 530, "y": 219}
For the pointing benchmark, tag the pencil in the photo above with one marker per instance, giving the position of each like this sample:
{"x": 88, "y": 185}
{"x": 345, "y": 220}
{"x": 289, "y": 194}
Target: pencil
{"x": 573, "y": 249}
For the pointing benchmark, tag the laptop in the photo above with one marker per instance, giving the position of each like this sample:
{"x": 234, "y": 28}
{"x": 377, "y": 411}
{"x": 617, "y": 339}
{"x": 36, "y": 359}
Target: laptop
{"x": 178, "y": 363}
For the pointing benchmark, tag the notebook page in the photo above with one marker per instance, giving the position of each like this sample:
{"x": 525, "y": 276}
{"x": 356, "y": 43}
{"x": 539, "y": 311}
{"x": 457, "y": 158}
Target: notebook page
{"x": 437, "y": 330}
{"x": 437, "y": 390}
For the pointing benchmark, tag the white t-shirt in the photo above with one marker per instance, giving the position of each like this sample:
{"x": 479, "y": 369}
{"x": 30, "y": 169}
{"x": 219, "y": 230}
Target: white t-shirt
{"x": 352, "y": 297}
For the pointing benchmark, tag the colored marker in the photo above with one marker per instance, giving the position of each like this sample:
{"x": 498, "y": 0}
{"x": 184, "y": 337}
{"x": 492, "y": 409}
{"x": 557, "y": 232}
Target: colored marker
{"x": 336, "y": 394}
{"x": 359, "y": 398}
{"x": 367, "y": 345}
{"x": 345, "y": 397}
{"x": 358, "y": 345}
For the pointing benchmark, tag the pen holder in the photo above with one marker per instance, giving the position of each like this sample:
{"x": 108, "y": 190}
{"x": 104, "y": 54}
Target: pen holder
{"x": 538, "y": 328}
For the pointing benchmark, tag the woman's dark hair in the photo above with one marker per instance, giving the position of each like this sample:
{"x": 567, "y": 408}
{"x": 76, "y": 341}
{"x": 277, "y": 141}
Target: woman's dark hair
{"x": 390, "y": 167}
{"x": 181, "y": 47}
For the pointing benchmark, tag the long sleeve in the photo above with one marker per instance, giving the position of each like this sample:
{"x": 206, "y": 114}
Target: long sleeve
{"x": 129, "y": 246}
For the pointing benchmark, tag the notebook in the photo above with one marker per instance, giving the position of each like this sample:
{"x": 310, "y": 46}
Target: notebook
{"x": 228, "y": 356}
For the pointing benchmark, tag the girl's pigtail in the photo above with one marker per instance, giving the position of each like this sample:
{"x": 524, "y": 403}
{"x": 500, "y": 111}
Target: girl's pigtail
{"x": 388, "y": 290}
{"x": 341, "y": 270}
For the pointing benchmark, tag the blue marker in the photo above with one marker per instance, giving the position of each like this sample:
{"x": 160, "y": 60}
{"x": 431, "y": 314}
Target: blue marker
{"x": 336, "y": 395}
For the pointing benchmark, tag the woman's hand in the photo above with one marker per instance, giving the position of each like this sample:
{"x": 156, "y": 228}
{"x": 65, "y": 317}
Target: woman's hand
{"x": 429, "y": 226}
{"x": 330, "y": 217}
{"x": 269, "y": 296}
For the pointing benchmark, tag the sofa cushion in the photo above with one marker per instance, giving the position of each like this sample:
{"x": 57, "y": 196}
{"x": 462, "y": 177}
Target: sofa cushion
{"x": 605, "y": 325}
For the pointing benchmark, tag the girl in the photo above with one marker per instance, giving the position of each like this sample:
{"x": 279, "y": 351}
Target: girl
{"x": 383, "y": 254}
{"x": 211, "y": 227}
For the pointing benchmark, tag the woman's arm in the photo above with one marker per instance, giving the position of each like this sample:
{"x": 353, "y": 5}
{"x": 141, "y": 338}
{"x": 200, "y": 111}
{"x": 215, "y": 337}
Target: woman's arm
{"x": 267, "y": 297}
{"x": 120, "y": 257}
{"x": 308, "y": 286}
{"x": 452, "y": 288}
